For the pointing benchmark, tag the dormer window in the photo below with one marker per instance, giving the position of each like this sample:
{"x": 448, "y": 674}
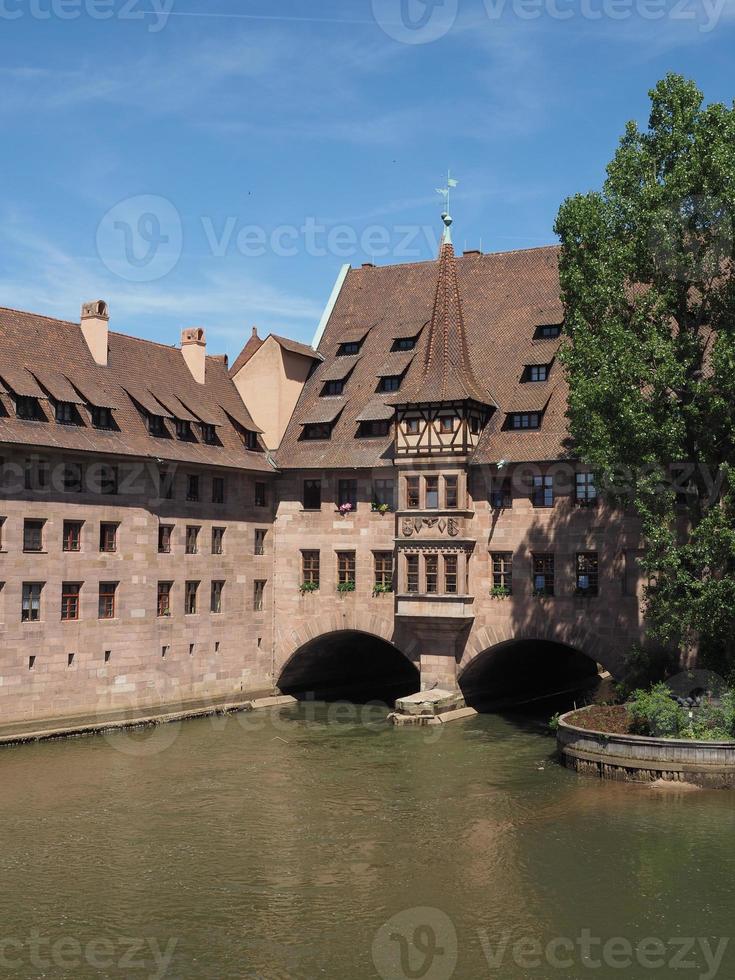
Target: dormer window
{"x": 536, "y": 372}
{"x": 391, "y": 382}
{"x": 156, "y": 425}
{"x": 349, "y": 348}
{"x": 374, "y": 427}
{"x": 208, "y": 433}
{"x": 66, "y": 413}
{"x": 251, "y": 440}
{"x": 403, "y": 343}
{"x": 183, "y": 430}
{"x": 333, "y": 388}
{"x": 27, "y": 408}
{"x": 101, "y": 418}
{"x": 524, "y": 420}
{"x": 318, "y": 430}
{"x": 547, "y": 331}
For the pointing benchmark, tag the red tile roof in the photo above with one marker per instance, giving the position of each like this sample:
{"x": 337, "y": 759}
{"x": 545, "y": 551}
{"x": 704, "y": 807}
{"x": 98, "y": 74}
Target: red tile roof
{"x": 56, "y": 349}
{"x": 504, "y": 296}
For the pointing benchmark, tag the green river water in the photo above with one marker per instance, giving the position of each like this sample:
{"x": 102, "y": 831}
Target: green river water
{"x": 323, "y": 843}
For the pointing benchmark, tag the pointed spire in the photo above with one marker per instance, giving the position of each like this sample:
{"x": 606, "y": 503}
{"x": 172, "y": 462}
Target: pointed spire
{"x": 446, "y": 374}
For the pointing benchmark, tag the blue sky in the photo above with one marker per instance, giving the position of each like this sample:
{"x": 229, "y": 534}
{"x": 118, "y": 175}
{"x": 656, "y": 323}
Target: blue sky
{"x": 215, "y": 163}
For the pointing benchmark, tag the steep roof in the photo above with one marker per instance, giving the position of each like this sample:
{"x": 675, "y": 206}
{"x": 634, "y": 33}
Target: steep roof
{"x": 53, "y": 355}
{"x": 255, "y": 343}
{"x": 504, "y": 298}
{"x": 446, "y": 372}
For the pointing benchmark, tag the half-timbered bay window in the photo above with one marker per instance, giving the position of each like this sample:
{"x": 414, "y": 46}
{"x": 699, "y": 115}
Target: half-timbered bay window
{"x": 346, "y": 571}
{"x": 502, "y": 573}
{"x": 587, "y": 573}
{"x": 586, "y": 491}
{"x": 383, "y": 580}
{"x": 543, "y": 574}
{"x": 310, "y": 569}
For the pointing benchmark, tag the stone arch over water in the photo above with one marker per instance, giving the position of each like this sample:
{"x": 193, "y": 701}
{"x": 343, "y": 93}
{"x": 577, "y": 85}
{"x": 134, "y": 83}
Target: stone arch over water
{"x": 359, "y": 661}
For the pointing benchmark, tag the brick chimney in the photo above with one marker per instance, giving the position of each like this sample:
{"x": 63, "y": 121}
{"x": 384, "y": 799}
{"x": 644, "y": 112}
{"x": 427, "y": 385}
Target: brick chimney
{"x": 94, "y": 321}
{"x": 194, "y": 349}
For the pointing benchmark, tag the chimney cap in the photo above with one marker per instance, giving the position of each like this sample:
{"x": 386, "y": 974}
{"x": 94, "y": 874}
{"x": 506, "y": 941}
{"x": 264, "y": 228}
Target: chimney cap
{"x": 96, "y": 307}
{"x": 368, "y": 265}
{"x": 472, "y": 251}
{"x": 193, "y": 335}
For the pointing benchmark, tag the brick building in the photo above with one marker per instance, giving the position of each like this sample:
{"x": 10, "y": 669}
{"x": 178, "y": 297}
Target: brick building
{"x": 401, "y": 501}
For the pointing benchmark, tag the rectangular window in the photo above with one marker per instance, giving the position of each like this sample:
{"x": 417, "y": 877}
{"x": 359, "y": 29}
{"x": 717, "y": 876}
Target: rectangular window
{"x": 156, "y": 426}
{"x": 27, "y": 408}
{"x": 310, "y": 568}
{"x": 218, "y": 536}
{"x": 258, "y": 594}
{"x": 70, "y": 600}
{"x": 192, "y": 539}
{"x": 251, "y": 440}
{"x": 333, "y": 388}
{"x": 36, "y": 474}
{"x": 432, "y": 492}
{"x": 501, "y": 494}
{"x": 412, "y": 573}
{"x": 391, "y": 382}
{"x": 72, "y": 478}
{"x": 166, "y": 479}
{"x": 218, "y": 489}
{"x": 31, "y": 602}
{"x": 346, "y": 568}
{"x": 543, "y": 574}
{"x": 411, "y": 426}
{"x": 450, "y": 574}
{"x": 163, "y": 598}
{"x": 209, "y": 434}
{"x": 502, "y": 572}
{"x": 183, "y": 430}
{"x": 524, "y": 420}
{"x": 431, "y": 566}
{"x": 72, "y": 536}
{"x": 215, "y": 600}
{"x": 65, "y": 413}
{"x": 101, "y": 418}
{"x": 587, "y": 576}
{"x": 376, "y": 427}
{"x": 260, "y": 534}
{"x": 450, "y": 492}
{"x": 347, "y": 493}
{"x": 192, "y": 487}
{"x": 107, "y": 479}
{"x": 412, "y": 492}
{"x": 108, "y": 591}
{"x": 260, "y": 494}
{"x": 317, "y": 430}
{"x": 384, "y": 493}
{"x": 383, "y": 570}
{"x": 404, "y": 343}
{"x": 548, "y": 330}
{"x": 164, "y": 538}
{"x": 349, "y": 348}
{"x": 33, "y": 535}
{"x": 447, "y": 423}
{"x": 537, "y": 372}
{"x": 108, "y": 536}
{"x": 543, "y": 491}
{"x": 586, "y": 491}
{"x": 190, "y": 598}
{"x": 312, "y": 494}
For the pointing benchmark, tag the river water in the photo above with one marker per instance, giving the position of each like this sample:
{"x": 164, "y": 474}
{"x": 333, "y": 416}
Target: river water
{"x": 323, "y": 843}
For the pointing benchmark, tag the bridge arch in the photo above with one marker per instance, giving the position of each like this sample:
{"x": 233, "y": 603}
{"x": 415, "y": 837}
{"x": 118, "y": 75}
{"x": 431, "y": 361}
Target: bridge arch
{"x": 351, "y": 657}
{"x": 501, "y": 664}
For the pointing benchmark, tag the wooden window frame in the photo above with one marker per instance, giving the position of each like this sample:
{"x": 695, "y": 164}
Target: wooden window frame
{"x": 107, "y": 600}
{"x": 70, "y": 601}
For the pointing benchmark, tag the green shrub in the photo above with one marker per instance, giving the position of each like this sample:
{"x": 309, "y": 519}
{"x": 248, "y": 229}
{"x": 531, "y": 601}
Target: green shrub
{"x": 655, "y": 713}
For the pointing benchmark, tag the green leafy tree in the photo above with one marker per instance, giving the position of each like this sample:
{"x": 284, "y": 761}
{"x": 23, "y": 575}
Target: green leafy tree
{"x": 647, "y": 276}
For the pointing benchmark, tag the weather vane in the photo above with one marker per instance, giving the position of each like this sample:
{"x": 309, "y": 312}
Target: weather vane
{"x": 444, "y": 191}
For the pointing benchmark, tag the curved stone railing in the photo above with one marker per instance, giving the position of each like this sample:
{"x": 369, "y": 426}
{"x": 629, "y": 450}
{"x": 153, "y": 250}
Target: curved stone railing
{"x": 638, "y": 758}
